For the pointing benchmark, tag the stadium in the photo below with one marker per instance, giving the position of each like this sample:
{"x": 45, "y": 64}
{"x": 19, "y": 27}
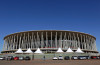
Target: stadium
{"x": 49, "y": 41}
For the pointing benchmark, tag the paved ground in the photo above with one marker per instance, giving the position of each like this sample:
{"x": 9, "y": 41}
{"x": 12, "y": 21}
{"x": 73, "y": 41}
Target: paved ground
{"x": 52, "y": 62}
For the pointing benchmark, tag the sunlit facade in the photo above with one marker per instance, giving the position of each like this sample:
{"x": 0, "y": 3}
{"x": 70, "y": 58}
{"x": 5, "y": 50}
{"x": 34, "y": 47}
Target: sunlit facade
{"x": 49, "y": 41}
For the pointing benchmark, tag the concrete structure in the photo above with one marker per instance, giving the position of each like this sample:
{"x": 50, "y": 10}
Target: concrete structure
{"x": 49, "y": 41}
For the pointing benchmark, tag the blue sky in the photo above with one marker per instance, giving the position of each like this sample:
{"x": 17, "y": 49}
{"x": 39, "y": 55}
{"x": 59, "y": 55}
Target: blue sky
{"x": 74, "y": 15}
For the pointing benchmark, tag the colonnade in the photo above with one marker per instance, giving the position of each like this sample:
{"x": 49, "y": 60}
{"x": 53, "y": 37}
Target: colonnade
{"x": 49, "y": 40}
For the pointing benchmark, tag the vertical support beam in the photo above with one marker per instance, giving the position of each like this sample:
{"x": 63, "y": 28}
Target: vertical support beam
{"x": 88, "y": 43}
{"x": 78, "y": 41}
{"x": 75, "y": 44}
{"x": 17, "y": 42}
{"x": 35, "y": 45}
{"x": 95, "y": 45}
{"x": 81, "y": 41}
{"x": 5, "y": 42}
{"x": 20, "y": 41}
{"x": 72, "y": 41}
{"x": 46, "y": 40}
{"x": 14, "y": 43}
{"x": 60, "y": 40}
{"x": 66, "y": 44}
{"x": 4, "y": 46}
{"x": 8, "y": 44}
{"x": 24, "y": 41}
{"x": 51, "y": 40}
{"x": 28, "y": 41}
{"x": 32, "y": 42}
{"x": 56, "y": 40}
{"x": 38, "y": 40}
{"x": 84, "y": 42}
{"x": 42, "y": 40}
{"x": 68, "y": 41}
{"x": 64, "y": 41}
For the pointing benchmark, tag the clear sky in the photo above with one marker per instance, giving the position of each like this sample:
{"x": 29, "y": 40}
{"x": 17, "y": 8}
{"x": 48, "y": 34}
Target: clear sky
{"x": 74, "y": 15}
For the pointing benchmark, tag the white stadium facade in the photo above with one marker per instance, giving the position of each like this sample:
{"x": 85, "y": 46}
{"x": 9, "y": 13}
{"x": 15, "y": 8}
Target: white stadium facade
{"x": 49, "y": 41}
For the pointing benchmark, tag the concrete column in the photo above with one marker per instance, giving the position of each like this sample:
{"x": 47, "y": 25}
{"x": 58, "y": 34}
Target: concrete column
{"x": 68, "y": 41}
{"x": 81, "y": 41}
{"x": 75, "y": 43}
{"x": 4, "y": 46}
{"x": 42, "y": 40}
{"x": 56, "y": 40}
{"x": 24, "y": 41}
{"x": 66, "y": 44}
{"x": 93, "y": 44}
{"x": 7, "y": 43}
{"x": 35, "y": 45}
{"x": 17, "y": 42}
{"x": 89, "y": 43}
{"x": 38, "y": 40}
{"x": 32, "y": 42}
{"x": 28, "y": 43}
{"x": 14, "y": 43}
{"x": 78, "y": 41}
{"x": 46, "y": 40}
{"x": 10, "y": 42}
{"x": 64, "y": 41}
{"x": 84, "y": 42}
{"x": 60, "y": 40}
{"x": 51, "y": 41}
{"x": 72, "y": 41}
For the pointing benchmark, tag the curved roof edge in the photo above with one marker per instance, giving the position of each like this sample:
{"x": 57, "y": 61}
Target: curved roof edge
{"x": 49, "y": 30}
